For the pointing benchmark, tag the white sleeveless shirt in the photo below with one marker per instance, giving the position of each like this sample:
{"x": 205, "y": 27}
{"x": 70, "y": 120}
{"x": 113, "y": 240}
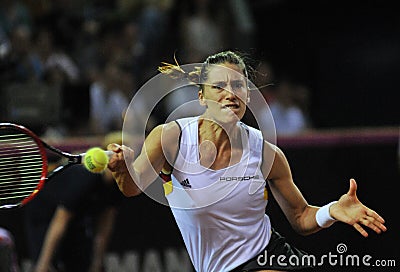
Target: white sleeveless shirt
{"x": 220, "y": 213}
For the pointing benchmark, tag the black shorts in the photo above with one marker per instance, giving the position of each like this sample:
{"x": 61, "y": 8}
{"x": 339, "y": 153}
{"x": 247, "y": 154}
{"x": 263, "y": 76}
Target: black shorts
{"x": 277, "y": 255}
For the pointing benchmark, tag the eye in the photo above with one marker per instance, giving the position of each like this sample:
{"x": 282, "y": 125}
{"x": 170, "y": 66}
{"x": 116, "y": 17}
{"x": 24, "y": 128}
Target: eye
{"x": 237, "y": 85}
{"x": 218, "y": 87}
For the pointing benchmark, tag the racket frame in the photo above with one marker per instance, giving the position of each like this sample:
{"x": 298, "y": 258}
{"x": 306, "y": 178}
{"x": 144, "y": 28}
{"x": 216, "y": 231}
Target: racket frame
{"x": 45, "y": 175}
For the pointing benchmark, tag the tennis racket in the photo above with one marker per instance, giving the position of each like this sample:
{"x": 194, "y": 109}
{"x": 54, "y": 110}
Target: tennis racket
{"x": 24, "y": 164}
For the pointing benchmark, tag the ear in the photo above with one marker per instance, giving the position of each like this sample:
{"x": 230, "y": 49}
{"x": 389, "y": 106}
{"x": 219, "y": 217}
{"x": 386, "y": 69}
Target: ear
{"x": 248, "y": 92}
{"x": 202, "y": 100}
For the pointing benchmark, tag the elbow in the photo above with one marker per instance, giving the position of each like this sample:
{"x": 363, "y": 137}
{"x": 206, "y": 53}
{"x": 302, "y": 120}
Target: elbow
{"x": 302, "y": 223}
{"x": 129, "y": 191}
{"x": 302, "y": 232}
{"x": 126, "y": 184}
{"x": 128, "y": 188}
{"x": 299, "y": 229}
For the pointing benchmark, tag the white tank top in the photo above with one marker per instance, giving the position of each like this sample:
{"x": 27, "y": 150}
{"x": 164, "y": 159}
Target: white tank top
{"x": 220, "y": 213}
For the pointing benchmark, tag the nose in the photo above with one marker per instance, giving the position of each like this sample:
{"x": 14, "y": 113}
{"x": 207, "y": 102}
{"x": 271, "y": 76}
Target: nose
{"x": 231, "y": 88}
{"x": 230, "y": 93}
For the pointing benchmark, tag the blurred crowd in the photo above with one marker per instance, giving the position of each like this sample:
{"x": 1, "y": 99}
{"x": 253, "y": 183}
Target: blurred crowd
{"x": 81, "y": 62}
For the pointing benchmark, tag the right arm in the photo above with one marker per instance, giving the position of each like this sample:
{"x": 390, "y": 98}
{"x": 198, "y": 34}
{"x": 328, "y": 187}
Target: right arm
{"x": 55, "y": 233}
{"x": 158, "y": 151}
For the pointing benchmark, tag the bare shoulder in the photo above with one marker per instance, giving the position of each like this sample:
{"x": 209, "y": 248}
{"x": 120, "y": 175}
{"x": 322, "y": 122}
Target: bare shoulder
{"x": 164, "y": 139}
{"x": 171, "y": 129}
{"x": 165, "y": 132}
{"x": 269, "y": 146}
{"x": 274, "y": 161}
{"x": 271, "y": 152}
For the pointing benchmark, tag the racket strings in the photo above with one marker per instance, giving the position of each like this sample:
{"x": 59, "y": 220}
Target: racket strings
{"x": 20, "y": 166}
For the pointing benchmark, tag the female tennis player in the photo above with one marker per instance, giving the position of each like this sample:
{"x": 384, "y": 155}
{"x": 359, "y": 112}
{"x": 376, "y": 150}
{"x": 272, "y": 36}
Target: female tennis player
{"x": 220, "y": 167}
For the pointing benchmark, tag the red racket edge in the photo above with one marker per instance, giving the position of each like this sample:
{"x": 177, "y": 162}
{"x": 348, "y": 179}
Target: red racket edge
{"x": 43, "y": 155}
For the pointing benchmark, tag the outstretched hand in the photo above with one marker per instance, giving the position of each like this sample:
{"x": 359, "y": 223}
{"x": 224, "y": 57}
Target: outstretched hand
{"x": 350, "y": 210}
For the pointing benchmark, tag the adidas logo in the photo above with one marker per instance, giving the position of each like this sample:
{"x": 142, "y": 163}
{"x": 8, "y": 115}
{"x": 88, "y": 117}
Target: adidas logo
{"x": 185, "y": 183}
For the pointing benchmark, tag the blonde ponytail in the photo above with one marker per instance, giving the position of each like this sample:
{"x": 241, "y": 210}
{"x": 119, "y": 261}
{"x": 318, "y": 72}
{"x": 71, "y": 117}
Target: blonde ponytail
{"x": 176, "y": 72}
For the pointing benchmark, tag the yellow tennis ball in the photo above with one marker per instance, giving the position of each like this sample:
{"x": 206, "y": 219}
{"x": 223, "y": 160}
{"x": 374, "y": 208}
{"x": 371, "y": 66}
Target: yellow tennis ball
{"x": 95, "y": 160}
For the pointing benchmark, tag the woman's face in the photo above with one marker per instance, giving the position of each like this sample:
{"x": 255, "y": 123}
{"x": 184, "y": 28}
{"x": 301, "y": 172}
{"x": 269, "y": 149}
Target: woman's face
{"x": 225, "y": 93}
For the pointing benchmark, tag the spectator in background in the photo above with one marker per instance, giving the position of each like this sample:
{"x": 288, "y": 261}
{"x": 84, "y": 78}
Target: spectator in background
{"x": 87, "y": 51}
{"x": 108, "y": 102}
{"x": 288, "y": 115}
{"x": 63, "y": 18}
{"x": 17, "y": 62}
{"x": 56, "y": 69}
{"x": 201, "y": 32}
{"x": 243, "y": 24}
{"x": 264, "y": 79}
{"x": 8, "y": 255}
{"x": 50, "y": 56}
{"x": 288, "y": 101}
{"x": 34, "y": 58}
{"x": 118, "y": 39}
{"x": 302, "y": 100}
{"x": 152, "y": 36}
{"x": 14, "y": 13}
{"x": 70, "y": 221}
{"x": 5, "y": 44}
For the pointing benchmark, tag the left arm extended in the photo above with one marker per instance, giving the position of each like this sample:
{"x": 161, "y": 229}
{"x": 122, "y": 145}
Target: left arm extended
{"x": 301, "y": 215}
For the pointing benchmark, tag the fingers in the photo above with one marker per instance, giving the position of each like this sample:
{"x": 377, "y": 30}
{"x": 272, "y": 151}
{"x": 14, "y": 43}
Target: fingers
{"x": 114, "y": 147}
{"x": 371, "y": 220}
{"x": 375, "y": 215}
{"x": 373, "y": 224}
{"x": 121, "y": 154}
{"x": 360, "y": 230}
{"x": 115, "y": 158}
{"x": 375, "y": 221}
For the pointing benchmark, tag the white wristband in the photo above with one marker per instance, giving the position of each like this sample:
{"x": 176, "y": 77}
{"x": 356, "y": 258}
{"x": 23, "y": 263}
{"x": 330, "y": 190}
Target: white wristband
{"x": 323, "y": 217}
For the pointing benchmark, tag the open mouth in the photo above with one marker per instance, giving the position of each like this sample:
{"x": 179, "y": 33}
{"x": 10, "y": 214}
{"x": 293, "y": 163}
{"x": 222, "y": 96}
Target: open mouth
{"x": 231, "y": 106}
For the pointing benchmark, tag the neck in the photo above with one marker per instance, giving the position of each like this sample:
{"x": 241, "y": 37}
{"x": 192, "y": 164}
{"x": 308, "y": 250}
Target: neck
{"x": 219, "y": 146}
{"x": 219, "y": 133}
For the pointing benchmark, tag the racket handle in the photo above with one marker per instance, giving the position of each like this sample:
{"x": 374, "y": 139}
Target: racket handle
{"x": 109, "y": 153}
